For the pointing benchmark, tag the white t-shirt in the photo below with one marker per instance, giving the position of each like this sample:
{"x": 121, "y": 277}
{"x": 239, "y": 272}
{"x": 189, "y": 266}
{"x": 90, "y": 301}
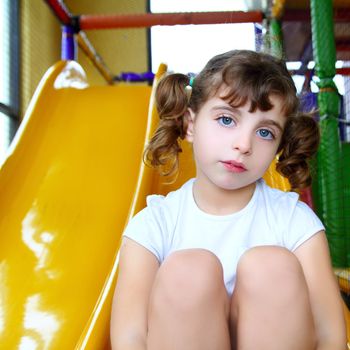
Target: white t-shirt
{"x": 174, "y": 222}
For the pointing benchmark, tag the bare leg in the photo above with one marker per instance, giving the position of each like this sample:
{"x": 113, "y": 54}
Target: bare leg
{"x": 189, "y": 305}
{"x": 270, "y": 308}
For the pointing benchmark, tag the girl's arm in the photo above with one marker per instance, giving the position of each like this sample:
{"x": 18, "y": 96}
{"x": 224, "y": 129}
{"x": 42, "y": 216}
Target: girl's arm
{"x": 137, "y": 270}
{"x": 325, "y": 296}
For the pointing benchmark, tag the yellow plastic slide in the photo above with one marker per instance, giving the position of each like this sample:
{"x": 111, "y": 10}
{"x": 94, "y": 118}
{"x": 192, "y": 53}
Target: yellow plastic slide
{"x": 65, "y": 194}
{"x": 73, "y": 178}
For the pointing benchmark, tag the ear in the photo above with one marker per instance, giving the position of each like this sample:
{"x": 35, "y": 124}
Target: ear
{"x": 190, "y": 125}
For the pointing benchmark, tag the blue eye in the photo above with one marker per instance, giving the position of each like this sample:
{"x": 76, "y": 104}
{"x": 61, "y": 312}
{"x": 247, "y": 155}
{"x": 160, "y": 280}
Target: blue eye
{"x": 225, "y": 121}
{"x": 265, "y": 134}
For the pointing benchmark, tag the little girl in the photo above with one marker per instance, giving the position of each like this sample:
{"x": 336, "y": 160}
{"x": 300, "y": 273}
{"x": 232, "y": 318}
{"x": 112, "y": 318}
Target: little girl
{"x": 226, "y": 262}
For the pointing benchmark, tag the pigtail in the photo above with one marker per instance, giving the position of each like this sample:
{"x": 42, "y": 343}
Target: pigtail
{"x": 299, "y": 144}
{"x": 172, "y": 103}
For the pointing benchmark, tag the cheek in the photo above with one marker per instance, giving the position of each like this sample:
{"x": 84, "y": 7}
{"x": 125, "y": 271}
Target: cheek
{"x": 205, "y": 148}
{"x": 210, "y": 144}
{"x": 266, "y": 151}
{"x": 203, "y": 137}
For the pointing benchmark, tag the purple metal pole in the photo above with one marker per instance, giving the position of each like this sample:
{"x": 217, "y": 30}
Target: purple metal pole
{"x": 258, "y": 36}
{"x": 69, "y": 44}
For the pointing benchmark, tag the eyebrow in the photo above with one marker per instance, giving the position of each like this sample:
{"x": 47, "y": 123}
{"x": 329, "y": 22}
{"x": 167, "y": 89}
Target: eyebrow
{"x": 227, "y": 108}
{"x": 273, "y": 123}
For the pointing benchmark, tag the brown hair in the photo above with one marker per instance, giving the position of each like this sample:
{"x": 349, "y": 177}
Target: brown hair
{"x": 246, "y": 76}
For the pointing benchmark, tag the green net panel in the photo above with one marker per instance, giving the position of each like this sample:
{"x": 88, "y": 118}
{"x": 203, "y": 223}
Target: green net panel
{"x": 329, "y": 167}
{"x": 276, "y": 38}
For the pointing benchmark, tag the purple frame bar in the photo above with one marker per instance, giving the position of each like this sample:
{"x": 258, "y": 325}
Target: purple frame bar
{"x": 69, "y": 44}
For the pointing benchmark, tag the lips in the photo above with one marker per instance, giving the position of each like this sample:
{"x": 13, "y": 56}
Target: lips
{"x": 233, "y": 166}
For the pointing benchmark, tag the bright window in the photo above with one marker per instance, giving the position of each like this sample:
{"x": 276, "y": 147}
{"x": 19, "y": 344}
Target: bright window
{"x": 5, "y": 55}
{"x": 186, "y": 48}
{"x": 9, "y": 104}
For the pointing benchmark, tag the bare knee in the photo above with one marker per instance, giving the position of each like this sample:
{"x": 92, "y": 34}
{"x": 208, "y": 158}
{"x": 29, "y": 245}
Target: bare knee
{"x": 270, "y": 267}
{"x": 189, "y": 305}
{"x": 188, "y": 278}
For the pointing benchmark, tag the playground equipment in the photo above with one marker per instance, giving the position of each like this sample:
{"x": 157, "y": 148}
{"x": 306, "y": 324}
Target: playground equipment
{"x": 65, "y": 192}
{"x": 79, "y": 154}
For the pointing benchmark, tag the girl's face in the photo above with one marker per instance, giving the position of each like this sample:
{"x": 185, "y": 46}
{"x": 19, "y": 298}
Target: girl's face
{"x": 233, "y": 147}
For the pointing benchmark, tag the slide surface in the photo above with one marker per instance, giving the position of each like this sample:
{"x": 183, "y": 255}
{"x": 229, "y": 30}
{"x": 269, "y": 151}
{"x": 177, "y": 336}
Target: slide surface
{"x": 65, "y": 193}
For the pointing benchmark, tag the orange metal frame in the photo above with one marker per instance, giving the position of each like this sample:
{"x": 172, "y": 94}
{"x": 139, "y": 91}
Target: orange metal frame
{"x": 88, "y": 22}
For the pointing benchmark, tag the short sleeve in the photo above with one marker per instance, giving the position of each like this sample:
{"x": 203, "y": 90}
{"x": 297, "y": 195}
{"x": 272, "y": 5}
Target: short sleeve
{"x": 303, "y": 224}
{"x": 147, "y": 228}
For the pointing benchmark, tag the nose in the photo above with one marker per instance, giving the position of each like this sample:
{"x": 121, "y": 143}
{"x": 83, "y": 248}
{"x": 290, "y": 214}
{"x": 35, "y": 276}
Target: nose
{"x": 243, "y": 142}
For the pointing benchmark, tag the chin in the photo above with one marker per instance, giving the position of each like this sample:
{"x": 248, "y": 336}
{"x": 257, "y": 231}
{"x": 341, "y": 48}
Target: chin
{"x": 230, "y": 185}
